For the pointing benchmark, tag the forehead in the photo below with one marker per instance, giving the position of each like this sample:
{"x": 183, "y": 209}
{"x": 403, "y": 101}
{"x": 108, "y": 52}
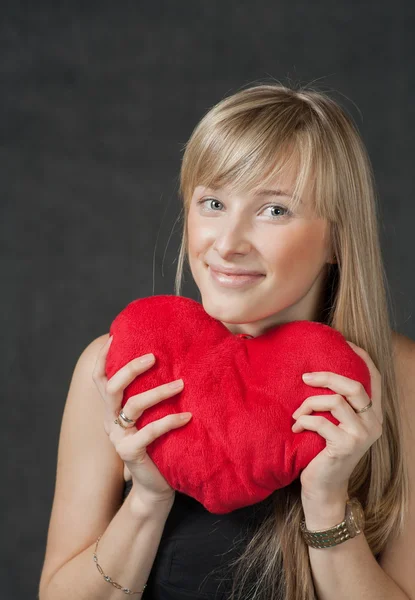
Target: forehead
{"x": 281, "y": 179}
{"x": 277, "y": 191}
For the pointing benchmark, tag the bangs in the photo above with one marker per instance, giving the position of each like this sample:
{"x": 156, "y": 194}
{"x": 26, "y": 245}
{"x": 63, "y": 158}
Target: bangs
{"x": 244, "y": 149}
{"x": 242, "y": 174}
{"x": 243, "y": 159}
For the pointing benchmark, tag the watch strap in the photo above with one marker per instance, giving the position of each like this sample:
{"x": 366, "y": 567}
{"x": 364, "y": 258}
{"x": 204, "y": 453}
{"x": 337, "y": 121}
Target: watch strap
{"x": 326, "y": 538}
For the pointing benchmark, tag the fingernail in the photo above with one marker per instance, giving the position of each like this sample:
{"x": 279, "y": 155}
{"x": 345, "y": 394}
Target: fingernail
{"x": 308, "y": 376}
{"x": 185, "y": 416}
{"x": 176, "y": 384}
{"x": 147, "y": 358}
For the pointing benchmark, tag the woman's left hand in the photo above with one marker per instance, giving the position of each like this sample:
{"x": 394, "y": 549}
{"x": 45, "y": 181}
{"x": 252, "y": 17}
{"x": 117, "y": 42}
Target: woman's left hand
{"x": 327, "y": 475}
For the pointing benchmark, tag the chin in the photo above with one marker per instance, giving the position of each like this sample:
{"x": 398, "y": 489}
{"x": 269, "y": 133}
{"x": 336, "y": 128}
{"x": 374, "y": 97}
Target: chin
{"x": 229, "y": 312}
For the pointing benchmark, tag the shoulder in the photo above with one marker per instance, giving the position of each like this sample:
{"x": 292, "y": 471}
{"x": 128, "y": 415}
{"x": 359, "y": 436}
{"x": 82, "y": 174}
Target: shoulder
{"x": 403, "y": 349}
{"x": 82, "y": 383}
{"x": 88, "y": 358}
{"x": 404, "y": 364}
{"x": 403, "y": 344}
{"x": 91, "y": 351}
{"x": 394, "y": 556}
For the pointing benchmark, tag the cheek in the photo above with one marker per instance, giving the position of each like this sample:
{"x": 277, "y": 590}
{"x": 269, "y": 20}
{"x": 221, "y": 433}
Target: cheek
{"x": 301, "y": 249}
{"x": 198, "y": 237}
{"x": 196, "y": 243}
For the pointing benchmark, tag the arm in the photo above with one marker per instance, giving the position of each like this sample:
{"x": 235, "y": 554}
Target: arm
{"x": 88, "y": 494}
{"x": 126, "y": 553}
{"x": 350, "y": 570}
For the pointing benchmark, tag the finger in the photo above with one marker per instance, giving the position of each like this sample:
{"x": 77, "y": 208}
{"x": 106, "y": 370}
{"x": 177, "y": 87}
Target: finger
{"x": 150, "y": 432}
{"x": 375, "y": 376}
{"x": 332, "y": 433}
{"x": 140, "y": 403}
{"x": 352, "y": 390}
{"x": 123, "y": 377}
{"x": 118, "y": 432}
{"x": 98, "y": 373}
{"x": 365, "y": 355}
{"x": 136, "y": 405}
{"x": 334, "y": 403}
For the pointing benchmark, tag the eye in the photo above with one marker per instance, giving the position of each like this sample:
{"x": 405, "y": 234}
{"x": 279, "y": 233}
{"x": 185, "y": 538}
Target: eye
{"x": 208, "y": 200}
{"x": 282, "y": 209}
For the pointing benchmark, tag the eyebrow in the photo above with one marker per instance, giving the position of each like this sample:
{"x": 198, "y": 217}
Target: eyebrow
{"x": 271, "y": 192}
{"x": 263, "y": 192}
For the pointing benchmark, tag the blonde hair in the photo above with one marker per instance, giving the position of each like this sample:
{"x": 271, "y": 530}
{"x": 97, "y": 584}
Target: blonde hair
{"x": 246, "y": 139}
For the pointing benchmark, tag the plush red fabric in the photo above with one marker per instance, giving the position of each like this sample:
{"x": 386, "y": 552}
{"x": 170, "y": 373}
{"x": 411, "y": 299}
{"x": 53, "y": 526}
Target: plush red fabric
{"x": 238, "y": 447}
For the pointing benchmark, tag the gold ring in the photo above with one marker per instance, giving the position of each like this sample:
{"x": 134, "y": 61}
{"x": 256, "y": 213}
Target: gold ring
{"x": 364, "y": 408}
{"x": 118, "y": 422}
{"x": 124, "y": 417}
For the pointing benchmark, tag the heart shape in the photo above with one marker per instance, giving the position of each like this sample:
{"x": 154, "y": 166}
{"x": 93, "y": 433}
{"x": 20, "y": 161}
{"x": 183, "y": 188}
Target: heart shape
{"x": 238, "y": 447}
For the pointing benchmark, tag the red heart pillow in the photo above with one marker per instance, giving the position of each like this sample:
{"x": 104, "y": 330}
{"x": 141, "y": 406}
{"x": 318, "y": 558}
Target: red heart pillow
{"x": 238, "y": 447}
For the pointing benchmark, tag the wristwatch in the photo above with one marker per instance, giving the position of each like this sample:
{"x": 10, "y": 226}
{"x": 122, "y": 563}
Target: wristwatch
{"x": 350, "y": 527}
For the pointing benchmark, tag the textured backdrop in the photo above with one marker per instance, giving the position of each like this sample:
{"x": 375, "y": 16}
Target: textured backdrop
{"x": 97, "y": 101}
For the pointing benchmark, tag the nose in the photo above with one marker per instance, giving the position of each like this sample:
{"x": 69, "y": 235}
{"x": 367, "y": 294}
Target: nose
{"x": 233, "y": 239}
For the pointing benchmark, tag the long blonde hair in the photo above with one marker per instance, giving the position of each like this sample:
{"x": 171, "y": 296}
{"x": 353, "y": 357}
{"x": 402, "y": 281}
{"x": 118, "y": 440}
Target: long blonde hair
{"x": 242, "y": 141}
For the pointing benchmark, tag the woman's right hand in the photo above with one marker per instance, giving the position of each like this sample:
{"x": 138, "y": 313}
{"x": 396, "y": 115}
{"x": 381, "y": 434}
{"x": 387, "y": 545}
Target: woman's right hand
{"x": 148, "y": 483}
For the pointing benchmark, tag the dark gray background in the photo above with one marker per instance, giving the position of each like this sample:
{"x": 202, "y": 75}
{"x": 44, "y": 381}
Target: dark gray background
{"x": 97, "y": 101}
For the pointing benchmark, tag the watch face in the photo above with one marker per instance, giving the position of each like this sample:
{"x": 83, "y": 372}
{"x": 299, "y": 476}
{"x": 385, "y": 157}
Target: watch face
{"x": 355, "y": 516}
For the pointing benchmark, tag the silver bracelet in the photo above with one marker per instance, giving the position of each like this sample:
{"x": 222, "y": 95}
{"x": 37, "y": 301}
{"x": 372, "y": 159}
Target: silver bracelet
{"x": 108, "y": 578}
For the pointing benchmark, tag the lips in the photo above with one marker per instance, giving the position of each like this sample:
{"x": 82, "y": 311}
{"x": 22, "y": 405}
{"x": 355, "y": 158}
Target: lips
{"x": 233, "y": 280}
{"x": 235, "y": 272}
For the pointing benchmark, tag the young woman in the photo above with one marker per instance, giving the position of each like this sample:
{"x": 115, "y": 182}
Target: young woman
{"x": 280, "y": 224}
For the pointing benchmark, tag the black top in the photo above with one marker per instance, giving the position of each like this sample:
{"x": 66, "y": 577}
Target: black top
{"x": 195, "y": 547}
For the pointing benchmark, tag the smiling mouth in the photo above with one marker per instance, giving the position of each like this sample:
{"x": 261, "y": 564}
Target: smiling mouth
{"x": 233, "y": 280}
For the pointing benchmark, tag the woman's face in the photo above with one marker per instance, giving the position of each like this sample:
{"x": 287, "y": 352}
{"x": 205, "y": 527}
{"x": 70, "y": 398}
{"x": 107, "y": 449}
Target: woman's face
{"x": 259, "y": 232}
